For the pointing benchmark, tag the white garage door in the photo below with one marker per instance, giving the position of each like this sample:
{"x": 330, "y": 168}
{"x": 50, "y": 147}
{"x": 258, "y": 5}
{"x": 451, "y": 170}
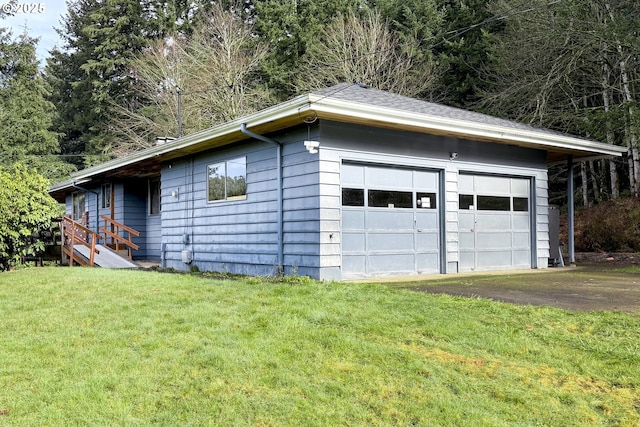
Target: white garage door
{"x": 390, "y": 221}
{"x": 494, "y": 223}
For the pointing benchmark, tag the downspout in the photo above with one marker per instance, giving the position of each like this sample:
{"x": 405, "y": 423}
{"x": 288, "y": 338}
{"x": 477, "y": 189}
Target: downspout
{"x": 243, "y": 129}
{"x": 97, "y": 204}
{"x": 570, "y": 213}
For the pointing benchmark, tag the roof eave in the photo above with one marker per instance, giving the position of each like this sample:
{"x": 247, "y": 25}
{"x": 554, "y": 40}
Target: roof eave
{"x": 330, "y": 107}
{"x": 291, "y": 108}
{"x": 301, "y": 107}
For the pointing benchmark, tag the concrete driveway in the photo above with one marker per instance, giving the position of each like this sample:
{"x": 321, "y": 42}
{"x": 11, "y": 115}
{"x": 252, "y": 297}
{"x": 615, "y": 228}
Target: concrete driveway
{"x": 584, "y": 288}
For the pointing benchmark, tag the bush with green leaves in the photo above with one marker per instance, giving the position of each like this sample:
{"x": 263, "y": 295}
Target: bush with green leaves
{"x": 25, "y": 210}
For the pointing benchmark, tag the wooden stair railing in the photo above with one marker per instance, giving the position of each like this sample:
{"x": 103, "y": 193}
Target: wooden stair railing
{"x": 120, "y": 235}
{"x": 75, "y": 233}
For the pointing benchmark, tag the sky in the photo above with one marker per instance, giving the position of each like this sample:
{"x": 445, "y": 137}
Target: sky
{"x": 40, "y": 24}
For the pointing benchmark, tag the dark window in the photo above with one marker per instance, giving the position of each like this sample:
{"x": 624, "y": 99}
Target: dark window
{"x": 390, "y": 199}
{"x": 154, "y": 197}
{"x": 227, "y": 180}
{"x": 426, "y": 200}
{"x": 521, "y": 204}
{"x": 352, "y": 197}
{"x": 106, "y": 195}
{"x": 494, "y": 203}
{"x": 465, "y": 201}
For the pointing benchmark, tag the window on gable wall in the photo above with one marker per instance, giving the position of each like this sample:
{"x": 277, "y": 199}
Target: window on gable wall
{"x": 105, "y": 195}
{"x": 227, "y": 180}
{"x": 154, "y": 197}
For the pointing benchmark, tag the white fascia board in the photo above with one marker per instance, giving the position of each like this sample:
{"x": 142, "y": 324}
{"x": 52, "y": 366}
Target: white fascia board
{"x": 463, "y": 127}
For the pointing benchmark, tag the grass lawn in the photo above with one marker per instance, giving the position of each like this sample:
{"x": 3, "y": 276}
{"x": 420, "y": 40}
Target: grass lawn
{"x": 101, "y": 347}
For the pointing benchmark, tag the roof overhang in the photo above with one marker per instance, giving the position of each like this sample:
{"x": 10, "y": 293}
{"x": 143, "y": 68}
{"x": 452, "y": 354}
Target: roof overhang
{"x": 297, "y": 111}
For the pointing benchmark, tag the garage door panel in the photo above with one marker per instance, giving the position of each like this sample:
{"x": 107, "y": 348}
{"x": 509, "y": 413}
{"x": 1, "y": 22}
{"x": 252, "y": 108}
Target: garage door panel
{"x": 492, "y": 185}
{"x": 388, "y": 178}
{"x": 493, "y": 221}
{"x": 390, "y": 242}
{"x": 466, "y": 221}
{"x": 486, "y": 241}
{"x": 467, "y": 240}
{"x": 491, "y": 259}
{"x": 427, "y": 220}
{"x": 391, "y": 263}
{"x": 522, "y": 258}
{"x": 521, "y": 222}
{"x": 520, "y": 187}
{"x": 353, "y": 220}
{"x": 390, "y": 219}
{"x": 521, "y": 240}
{"x": 352, "y": 263}
{"x": 353, "y": 242}
{"x": 428, "y": 263}
{"x": 427, "y": 241}
{"x": 467, "y": 257}
{"x": 426, "y": 180}
{"x": 352, "y": 175}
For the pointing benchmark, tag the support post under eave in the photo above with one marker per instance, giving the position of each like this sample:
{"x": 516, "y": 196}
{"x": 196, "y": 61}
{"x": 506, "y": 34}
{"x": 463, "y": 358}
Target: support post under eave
{"x": 570, "y": 212}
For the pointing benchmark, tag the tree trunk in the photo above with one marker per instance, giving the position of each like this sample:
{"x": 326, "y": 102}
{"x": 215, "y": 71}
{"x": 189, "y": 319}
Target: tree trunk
{"x": 634, "y": 161}
{"x": 631, "y": 128}
{"x": 595, "y": 182}
{"x": 613, "y": 172}
{"x": 585, "y": 187}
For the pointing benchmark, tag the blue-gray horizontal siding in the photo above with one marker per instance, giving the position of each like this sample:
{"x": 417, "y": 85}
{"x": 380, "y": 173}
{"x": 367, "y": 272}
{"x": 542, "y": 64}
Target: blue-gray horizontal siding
{"x": 238, "y": 236}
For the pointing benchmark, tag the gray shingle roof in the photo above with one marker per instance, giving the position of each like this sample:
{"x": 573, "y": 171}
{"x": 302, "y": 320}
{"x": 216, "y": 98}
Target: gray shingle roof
{"x": 357, "y": 93}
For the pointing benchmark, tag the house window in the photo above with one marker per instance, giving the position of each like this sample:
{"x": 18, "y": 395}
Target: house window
{"x": 78, "y": 202}
{"x": 154, "y": 197}
{"x": 106, "y": 195}
{"x": 227, "y": 180}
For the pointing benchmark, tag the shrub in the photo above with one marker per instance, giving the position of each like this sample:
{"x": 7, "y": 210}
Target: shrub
{"x": 612, "y": 226}
{"x": 25, "y": 210}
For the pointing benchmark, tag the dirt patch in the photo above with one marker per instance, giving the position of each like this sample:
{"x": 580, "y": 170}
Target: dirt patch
{"x": 619, "y": 259}
{"x": 587, "y": 287}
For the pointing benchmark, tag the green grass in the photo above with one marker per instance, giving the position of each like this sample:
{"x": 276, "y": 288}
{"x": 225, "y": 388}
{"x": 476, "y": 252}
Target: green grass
{"x": 98, "y": 347}
{"x": 631, "y": 270}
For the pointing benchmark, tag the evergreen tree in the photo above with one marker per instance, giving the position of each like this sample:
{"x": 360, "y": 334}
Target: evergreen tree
{"x": 463, "y": 48}
{"x": 25, "y": 113}
{"x": 91, "y": 72}
{"x": 288, "y": 26}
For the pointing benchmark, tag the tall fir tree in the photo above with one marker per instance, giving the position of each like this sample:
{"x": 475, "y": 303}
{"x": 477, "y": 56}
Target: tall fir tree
{"x": 25, "y": 113}
{"x": 91, "y": 71}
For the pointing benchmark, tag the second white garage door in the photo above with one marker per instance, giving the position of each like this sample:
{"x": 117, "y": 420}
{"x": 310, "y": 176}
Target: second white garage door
{"x": 494, "y": 222}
